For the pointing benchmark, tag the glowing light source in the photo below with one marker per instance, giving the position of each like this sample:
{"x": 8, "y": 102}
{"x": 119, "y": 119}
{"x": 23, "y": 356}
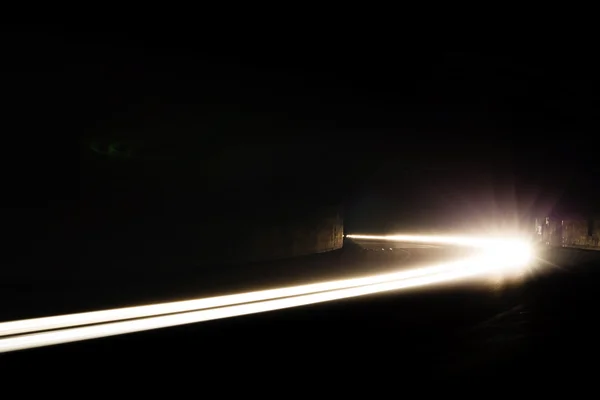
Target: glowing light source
{"x": 507, "y": 254}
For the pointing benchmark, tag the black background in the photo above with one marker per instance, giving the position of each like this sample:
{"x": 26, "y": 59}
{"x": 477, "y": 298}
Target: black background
{"x": 408, "y": 131}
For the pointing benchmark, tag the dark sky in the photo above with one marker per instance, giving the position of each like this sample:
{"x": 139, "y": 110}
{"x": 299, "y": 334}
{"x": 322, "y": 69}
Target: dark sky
{"x": 408, "y": 131}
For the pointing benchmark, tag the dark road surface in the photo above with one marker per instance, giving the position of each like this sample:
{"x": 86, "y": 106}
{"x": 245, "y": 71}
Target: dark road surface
{"x": 544, "y": 326}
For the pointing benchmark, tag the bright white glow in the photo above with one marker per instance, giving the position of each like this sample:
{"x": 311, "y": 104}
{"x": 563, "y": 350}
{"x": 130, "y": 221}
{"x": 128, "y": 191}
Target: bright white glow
{"x": 458, "y": 270}
{"x": 508, "y": 252}
{"x": 494, "y": 257}
{"x": 515, "y": 255}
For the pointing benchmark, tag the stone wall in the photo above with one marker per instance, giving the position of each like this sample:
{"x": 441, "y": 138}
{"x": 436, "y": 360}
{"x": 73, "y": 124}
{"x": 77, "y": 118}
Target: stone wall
{"x": 139, "y": 222}
{"x": 569, "y": 232}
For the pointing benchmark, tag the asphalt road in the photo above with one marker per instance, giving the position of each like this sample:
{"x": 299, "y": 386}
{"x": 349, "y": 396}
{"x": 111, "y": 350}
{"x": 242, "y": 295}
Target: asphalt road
{"x": 544, "y": 326}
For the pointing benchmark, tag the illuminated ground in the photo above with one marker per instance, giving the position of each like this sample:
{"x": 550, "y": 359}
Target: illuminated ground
{"x": 462, "y": 330}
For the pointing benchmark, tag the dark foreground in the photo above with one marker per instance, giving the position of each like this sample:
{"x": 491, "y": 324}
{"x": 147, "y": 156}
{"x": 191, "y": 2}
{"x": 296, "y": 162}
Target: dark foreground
{"x": 545, "y": 326}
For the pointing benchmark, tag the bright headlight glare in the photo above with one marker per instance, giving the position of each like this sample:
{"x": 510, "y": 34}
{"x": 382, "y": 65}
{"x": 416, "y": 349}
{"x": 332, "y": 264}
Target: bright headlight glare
{"x": 509, "y": 255}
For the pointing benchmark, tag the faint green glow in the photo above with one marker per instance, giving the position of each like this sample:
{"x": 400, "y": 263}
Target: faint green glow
{"x": 113, "y": 149}
{"x": 128, "y": 150}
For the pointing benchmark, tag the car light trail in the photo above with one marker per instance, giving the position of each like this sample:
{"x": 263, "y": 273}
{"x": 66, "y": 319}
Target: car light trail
{"x": 496, "y": 256}
{"x": 95, "y": 317}
{"x": 447, "y": 240}
{"x": 503, "y": 247}
{"x": 459, "y": 270}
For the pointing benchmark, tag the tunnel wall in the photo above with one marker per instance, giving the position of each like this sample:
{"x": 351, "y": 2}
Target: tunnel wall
{"x": 315, "y": 232}
{"x": 568, "y": 231}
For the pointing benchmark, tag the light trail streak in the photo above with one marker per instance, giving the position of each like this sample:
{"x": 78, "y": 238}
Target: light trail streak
{"x": 496, "y": 256}
{"x": 459, "y": 270}
{"x": 447, "y": 240}
{"x": 95, "y": 317}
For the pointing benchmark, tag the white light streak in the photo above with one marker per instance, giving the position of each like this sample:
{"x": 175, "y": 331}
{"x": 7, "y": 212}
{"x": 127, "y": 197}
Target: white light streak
{"x": 460, "y": 270}
{"x": 495, "y": 256}
{"x": 447, "y": 240}
{"x": 95, "y": 317}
